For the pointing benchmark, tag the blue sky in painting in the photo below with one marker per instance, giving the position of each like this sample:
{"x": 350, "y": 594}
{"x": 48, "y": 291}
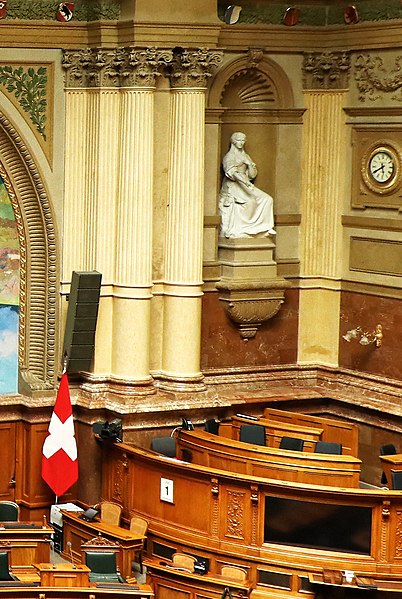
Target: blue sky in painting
{"x": 8, "y": 349}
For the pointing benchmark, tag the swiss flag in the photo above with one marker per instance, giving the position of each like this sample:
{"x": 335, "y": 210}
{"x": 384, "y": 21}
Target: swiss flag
{"x": 59, "y": 459}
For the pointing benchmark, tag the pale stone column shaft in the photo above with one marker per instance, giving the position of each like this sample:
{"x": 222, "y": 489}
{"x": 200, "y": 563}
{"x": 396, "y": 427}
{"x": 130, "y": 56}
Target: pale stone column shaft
{"x": 74, "y": 222}
{"x": 322, "y": 202}
{"x": 184, "y": 233}
{"x": 104, "y": 106}
{"x": 132, "y": 291}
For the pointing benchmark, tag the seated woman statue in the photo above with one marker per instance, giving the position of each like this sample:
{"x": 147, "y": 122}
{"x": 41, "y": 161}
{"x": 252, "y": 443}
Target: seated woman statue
{"x": 245, "y": 210}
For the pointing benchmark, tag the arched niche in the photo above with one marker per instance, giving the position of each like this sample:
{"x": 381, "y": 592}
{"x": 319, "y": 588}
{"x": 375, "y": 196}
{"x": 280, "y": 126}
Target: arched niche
{"x": 252, "y": 81}
{"x": 254, "y": 95}
{"x": 38, "y": 266}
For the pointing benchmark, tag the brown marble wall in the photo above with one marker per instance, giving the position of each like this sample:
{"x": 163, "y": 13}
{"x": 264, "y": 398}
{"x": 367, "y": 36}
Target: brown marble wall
{"x": 275, "y": 342}
{"x": 368, "y": 311}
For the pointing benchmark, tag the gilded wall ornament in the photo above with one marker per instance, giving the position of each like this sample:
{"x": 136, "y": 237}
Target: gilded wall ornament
{"x": 373, "y": 79}
{"x": 328, "y": 70}
{"x": 29, "y": 88}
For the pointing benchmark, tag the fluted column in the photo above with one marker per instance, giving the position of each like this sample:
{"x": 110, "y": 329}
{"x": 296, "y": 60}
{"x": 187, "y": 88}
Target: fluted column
{"x": 97, "y": 124}
{"x": 74, "y": 222}
{"x": 324, "y": 163}
{"x": 184, "y": 225}
{"x": 133, "y": 285}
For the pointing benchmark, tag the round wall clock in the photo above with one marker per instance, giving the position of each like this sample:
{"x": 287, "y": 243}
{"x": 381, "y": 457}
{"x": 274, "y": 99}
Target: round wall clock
{"x": 381, "y": 168}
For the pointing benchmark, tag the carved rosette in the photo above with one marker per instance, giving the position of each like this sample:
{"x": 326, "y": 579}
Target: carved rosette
{"x": 192, "y": 68}
{"x": 249, "y": 304}
{"x": 328, "y": 70}
{"x": 119, "y": 67}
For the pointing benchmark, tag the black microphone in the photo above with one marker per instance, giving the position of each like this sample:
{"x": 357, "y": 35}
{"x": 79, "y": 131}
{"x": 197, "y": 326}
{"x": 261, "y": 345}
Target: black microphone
{"x": 71, "y": 553}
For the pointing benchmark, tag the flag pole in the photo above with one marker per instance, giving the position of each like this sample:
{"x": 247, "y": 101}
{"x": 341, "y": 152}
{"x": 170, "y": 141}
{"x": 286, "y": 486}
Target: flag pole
{"x": 65, "y": 363}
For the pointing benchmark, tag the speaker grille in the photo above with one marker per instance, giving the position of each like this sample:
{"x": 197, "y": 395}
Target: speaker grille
{"x": 82, "y": 314}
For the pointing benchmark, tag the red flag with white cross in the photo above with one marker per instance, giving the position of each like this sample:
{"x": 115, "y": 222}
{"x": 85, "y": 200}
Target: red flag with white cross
{"x": 59, "y": 459}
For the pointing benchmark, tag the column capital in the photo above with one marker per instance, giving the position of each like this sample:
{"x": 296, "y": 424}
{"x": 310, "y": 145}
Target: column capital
{"x": 191, "y": 67}
{"x": 139, "y": 67}
{"x": 114, "y": 67}
{"x": 91, "y": 67}
{"x": 326, "y": 70}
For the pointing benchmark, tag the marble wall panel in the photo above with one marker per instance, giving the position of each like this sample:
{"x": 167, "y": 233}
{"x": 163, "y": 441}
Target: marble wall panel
{"x": 367, "y": 311}
{"x": 275, "y": 342}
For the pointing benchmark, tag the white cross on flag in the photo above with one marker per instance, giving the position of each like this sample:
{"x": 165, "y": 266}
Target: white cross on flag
{"x": 59, "y": 459}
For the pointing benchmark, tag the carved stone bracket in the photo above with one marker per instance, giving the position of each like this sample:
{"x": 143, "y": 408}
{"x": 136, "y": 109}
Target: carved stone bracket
{"x": 328, "y": 70}
{"x": 191, "y": 68}
{"x": 248, "y": 304}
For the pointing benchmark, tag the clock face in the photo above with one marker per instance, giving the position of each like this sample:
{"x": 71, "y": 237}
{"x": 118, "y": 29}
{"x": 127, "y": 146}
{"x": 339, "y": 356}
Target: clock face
{"x": 382, "y": 166}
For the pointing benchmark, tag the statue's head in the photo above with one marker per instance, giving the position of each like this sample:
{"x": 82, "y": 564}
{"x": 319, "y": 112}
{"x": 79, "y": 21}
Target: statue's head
{"x": 238, "y": 136}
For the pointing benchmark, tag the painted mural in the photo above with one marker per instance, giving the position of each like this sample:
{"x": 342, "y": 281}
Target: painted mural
{"x": 9, "y": 294}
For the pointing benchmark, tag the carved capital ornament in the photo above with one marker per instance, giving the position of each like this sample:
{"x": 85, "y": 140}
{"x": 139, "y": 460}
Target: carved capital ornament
{"x": 327, "y": 70}
{"x": 192, "y": 68}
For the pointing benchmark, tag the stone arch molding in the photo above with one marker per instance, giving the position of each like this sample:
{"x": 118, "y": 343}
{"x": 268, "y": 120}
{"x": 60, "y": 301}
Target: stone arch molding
{"x": 38, "y": 264}
{"x": 254, "y": 80}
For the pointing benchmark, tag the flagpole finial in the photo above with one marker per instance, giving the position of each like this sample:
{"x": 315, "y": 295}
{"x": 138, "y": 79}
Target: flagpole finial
{"x": 65, "y": 363}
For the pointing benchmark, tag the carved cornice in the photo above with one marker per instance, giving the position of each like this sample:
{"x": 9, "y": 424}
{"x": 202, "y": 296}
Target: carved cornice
{"x": 118, "y": 67}
{"x": 374, "y": 80}
{"x": 192, "y": 68}
{"x": 328, "y": 70}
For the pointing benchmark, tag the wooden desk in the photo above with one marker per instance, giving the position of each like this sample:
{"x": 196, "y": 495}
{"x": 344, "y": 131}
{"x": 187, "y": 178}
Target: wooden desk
{"x": 190, "y": 585}
{"x": 63, "y": 575}
{"x": 78, "y": 531}
{"x": 205, "y": 449}
{"x": 391, "y": 463}
{"x": 275, "y": 430}
{"x": 338, "y": 431}
{"x": 15, "y": 591}
{"x": 29, "y": 542}
{"x": 360, "y": 583}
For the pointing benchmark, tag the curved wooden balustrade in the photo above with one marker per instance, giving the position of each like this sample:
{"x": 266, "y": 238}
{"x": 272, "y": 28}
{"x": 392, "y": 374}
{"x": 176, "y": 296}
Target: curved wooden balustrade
{"x": 279, "y": 531}
{"x": 205, "y": 449}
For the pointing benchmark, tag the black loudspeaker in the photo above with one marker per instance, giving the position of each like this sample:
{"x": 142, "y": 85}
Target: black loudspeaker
{"x": 82, "y": 314}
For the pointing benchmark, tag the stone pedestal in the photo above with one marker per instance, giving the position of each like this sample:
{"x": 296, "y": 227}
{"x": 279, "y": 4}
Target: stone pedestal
{"x": 250, "y": 289}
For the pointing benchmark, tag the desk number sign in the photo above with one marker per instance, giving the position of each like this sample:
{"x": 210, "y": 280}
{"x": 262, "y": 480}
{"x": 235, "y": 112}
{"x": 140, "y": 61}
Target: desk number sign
{"x": 167, "y": 490}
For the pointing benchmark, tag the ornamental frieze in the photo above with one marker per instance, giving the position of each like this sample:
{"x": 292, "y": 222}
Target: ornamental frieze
{"x": 328, "y": 70}
{"x": 374, "y": 80}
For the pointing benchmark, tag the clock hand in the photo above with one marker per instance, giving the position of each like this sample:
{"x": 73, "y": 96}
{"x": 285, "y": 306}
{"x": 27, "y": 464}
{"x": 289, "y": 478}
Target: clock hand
{"x": 380, "y": 168}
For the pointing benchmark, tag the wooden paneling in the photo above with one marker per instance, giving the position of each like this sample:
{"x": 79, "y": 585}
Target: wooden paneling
{"x": 31, "y": 492}
{"x": 7, "y": 458}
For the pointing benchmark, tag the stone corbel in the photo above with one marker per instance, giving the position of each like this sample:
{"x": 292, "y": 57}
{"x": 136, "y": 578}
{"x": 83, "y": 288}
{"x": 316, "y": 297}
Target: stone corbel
{"x": 248, "y": 304}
